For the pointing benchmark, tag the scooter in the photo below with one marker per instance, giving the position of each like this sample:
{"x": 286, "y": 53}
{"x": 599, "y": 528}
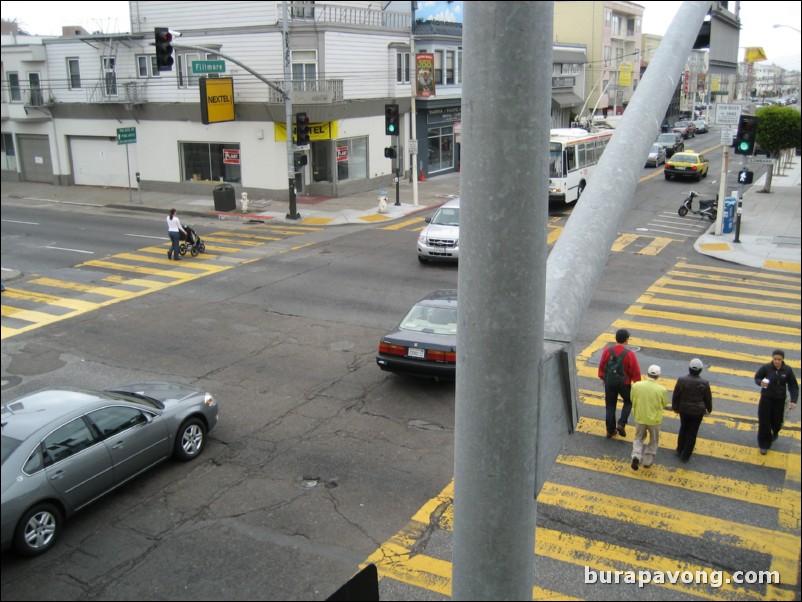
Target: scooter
{"x": 707, "y": 207}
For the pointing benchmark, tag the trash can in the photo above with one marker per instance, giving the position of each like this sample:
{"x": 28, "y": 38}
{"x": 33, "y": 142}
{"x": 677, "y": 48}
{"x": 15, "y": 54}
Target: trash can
{"x": 728, "y": 219}
{"x": 224, "y": 198}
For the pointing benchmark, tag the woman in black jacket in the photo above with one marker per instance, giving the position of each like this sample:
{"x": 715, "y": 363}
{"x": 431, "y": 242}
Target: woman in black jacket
{"x": 773, "y": 379}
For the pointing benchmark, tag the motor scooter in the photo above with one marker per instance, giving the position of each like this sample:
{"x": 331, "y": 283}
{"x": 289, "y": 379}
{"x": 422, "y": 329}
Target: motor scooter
{"x": 707, "y": 207}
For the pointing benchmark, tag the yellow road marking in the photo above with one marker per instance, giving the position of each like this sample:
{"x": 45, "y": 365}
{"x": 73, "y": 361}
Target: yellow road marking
{"x": 637, "y": 310}
{"x": 77, "y": 286}
{"x": 74, "y": 304}
{"x": 623, "y": 241}
{"x": 649, "y": 299}
{"x": 656, "y": 246}
{"x": 785, "y": 266}
{"x": 404, "y": 224}
{"x": 660, "y": 286}
{"x": 736, "y": 278}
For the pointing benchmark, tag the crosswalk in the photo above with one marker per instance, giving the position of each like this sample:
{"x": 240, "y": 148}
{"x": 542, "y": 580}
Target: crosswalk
{"x": 727, "y": 502}
{"x": 39, "y": 301}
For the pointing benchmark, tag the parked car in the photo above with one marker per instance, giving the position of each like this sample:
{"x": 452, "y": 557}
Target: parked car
{"x": 687, "y": 164}
{"x": 672, "y": 142}
{"x": 686, "y": 128}
{"x": 440, "y": 238}
{"x": 63, "y": 448}
{"x": 701, "y": 126}
{"x": 656, "y": 156}
{"x": 425, "y": 342}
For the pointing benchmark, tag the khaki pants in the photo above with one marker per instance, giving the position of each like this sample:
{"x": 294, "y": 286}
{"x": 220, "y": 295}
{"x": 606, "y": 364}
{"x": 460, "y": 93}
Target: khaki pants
{"x": 645, "y": 456}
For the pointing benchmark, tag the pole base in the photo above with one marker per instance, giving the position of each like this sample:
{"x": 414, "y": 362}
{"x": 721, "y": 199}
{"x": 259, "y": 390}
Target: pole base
{"x": 293, "y": 216}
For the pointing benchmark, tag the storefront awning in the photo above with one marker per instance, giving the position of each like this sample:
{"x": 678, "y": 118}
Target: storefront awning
{"x": 566, "y": 99}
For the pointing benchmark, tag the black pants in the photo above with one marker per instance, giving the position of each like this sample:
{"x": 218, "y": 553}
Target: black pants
{"x": 770, "y": 413}
{"x": 611, "y": 401}
{"x": 688, "y": 429}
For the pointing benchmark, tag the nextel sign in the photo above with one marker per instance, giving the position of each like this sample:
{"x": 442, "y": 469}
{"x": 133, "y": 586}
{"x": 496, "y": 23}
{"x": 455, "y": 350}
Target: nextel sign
{"x": 217, "y": 99}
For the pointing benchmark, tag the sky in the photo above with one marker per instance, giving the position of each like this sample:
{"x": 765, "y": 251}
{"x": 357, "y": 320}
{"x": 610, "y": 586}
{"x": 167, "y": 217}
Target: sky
{"x": 781, "y": 45}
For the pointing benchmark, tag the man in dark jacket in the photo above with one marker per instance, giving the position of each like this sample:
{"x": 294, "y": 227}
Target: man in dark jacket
{"x": 773, "y": 379}
{"x": 691, "y": 399}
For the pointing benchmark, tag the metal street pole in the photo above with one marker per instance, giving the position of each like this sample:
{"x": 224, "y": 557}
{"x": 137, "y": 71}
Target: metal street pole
{"x": 413, "y": 155}
{"x": 293, "y": 213}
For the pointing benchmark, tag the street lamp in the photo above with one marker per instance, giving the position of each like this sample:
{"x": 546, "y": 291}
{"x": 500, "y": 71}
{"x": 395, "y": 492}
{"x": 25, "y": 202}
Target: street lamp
{"x": 776, "y": 25}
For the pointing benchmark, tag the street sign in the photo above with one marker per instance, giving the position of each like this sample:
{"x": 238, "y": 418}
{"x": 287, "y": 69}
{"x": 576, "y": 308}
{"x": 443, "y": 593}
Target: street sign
{"x": 761, "y": 160}
{"x": 727, "y": 136}
{"x": 727, "y": 114}
{"x": 126, "y": 135}
{"x": 413, "y": 147}
{"x": 203, "y": 67}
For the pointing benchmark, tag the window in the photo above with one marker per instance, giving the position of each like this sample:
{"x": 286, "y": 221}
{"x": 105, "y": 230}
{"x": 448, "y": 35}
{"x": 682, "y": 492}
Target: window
{"x": 68, "y": 440}
{"x": 441, "y": 148}
{"x": 438, "y": 66}
{"x": 402, "y": 67}
{"x": 352, "y": 159}
{"x": 14, "y": 90}
{"x": 304, "y": 69}
{"x": 204, "y": 161}
{"x": 37, "y": 99}
{"x": 459, "y": 66}
{"x": 450, "y": 67}
{"x": 146, "y": 66}
{"x": 74, "y": 73}
{"x": 116, "y": 419}
{"x": 110, "y": 75}
{"x": 8, "y": 158}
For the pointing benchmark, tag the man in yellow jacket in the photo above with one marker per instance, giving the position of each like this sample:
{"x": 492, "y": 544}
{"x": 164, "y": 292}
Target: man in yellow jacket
{"x": 649, "y": 399}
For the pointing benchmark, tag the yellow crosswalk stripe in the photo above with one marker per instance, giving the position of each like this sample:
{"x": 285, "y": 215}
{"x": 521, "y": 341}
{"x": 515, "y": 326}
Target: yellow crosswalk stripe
{"x": 403, "y": 224}
{"x": 656, "y": 246}
{"x": 77, "y": 286}
{"x": 650, "y": 299}
{"x": 669, "y": 316}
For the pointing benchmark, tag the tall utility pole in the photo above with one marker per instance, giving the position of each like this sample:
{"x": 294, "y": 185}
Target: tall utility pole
{"x": 413, "y": 78}
{"x": 293, "y": 213}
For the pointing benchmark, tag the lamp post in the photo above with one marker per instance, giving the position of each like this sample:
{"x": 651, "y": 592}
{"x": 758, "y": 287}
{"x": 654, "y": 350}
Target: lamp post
{"x": 776, "y": 25}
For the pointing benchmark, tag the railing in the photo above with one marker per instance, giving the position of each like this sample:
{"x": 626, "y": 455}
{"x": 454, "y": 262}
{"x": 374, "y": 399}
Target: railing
{"x": 345, "y": 15}
{"x": 311, "y": 91}
{"x": 112, "y": 91}
{"x": 35, "y": 96}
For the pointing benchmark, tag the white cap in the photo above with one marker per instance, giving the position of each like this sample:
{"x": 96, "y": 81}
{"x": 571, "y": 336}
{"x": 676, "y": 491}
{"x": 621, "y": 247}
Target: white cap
{"x": 696, "y": 364}
{"x": 653, "y": 370}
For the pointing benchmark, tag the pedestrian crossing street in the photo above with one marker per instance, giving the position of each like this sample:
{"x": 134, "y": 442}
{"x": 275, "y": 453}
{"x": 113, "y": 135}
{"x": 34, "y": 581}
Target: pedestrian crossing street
{"x": 638, "y": 244}
{"x": 39, "y": 301}
{"x": 728, "y": 505}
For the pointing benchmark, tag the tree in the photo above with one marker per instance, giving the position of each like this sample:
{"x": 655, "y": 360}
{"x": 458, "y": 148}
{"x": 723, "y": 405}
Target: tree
{"x": 779, "y": 128}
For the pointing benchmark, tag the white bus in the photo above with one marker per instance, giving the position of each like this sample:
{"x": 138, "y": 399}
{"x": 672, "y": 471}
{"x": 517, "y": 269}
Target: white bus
{"x": 573, "y": 153}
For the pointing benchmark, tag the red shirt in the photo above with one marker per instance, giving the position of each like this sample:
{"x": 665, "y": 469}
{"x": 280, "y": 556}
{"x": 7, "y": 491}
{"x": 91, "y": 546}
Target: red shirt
{"x": 631, "y": 367}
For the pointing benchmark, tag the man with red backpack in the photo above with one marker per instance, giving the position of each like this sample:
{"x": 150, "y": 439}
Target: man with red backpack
{"x": 618, "y": 369}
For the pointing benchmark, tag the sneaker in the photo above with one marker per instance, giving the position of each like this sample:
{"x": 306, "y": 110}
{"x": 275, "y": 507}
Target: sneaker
{"x": 635, "y": 463}
{"x": 647, "y": 464}
{"x": 763, "y": 452}
{"x": 621, "y": 430}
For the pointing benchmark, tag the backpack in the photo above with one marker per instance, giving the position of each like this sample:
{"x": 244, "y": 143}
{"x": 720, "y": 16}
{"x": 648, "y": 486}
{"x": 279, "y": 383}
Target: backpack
{"x": 614, "y": 373}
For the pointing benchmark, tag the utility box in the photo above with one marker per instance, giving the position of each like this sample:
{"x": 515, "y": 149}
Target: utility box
{"x": 728, "y": 219}
{"x": 224, "y": 198}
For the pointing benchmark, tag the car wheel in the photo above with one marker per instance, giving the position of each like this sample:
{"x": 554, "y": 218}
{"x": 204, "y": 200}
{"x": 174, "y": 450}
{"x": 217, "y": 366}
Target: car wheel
{"x": 37, "y": 530}
{"x": 668, "y": 176}
{"x": 422, "y": 259}
{"x": 190, "y": 440}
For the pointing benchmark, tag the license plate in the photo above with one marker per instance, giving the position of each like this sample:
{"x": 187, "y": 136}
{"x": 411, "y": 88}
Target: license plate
{"x": 679, "y": 168}
{"x": 420, "y": 353}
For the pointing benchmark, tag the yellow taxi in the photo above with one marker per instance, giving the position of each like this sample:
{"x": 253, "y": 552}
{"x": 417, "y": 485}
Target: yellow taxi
{"x": 687, "y": 164}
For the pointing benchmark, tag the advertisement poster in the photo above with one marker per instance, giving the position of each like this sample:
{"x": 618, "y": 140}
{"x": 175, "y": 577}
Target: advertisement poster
{"x": 424, "y": 67}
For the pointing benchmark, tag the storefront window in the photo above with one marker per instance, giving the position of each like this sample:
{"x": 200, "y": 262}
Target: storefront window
{"x": 441, "y": 148}
{"x": 352, "y": 159}
{"x": 204, "y": 161}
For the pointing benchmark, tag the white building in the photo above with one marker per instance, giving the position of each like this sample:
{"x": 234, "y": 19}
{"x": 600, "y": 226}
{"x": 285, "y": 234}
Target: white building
{"x": 66, "y": 99}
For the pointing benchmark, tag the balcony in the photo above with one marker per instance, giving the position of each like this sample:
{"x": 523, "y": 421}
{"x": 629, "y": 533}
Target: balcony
{"x": 332, "y": 14}
{"x": 111, "y": 91}
{"x": 310, "y": 92}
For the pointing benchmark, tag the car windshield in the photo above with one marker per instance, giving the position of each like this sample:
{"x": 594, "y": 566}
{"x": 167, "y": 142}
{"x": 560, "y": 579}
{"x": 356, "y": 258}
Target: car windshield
{"x": 670, "y": 138}
{"x": 447, "y": 216}
{"x": 680, "y": 158}
{"x": 681, "y": 124}
{"x": 655, "y": 149}
{"x": 435, "y": 320}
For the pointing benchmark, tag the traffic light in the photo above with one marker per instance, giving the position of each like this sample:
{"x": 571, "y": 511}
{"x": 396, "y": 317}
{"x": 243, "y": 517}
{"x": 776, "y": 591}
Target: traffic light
{"x": 391, "y": 120}
{"x": 747, "y": 132}
{"x": 745, "y": 176}
{"x": 389, "y": 152}
{"x": 164, "y": 49}
{"x": 301, "y": 129}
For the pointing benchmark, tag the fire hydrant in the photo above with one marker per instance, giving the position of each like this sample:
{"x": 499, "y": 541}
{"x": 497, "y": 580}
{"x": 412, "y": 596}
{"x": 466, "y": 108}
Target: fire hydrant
{"x": 243, "y": 199}
{"x": 382, "y": 208}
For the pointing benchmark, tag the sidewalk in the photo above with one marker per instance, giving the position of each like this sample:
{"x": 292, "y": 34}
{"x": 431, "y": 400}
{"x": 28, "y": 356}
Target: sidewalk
{"x": 769, "y": 236}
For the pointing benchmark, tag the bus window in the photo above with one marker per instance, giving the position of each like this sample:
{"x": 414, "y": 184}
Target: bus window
{"x": 555, "y": 162}
{"x": 570, "y": 159}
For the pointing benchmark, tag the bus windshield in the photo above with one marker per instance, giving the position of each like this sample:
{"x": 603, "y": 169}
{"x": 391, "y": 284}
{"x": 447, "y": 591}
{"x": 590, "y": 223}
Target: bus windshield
{"x": 555, "y": 160}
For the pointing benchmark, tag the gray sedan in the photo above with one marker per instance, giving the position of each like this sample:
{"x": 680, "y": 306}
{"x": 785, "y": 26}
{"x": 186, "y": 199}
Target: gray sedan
{"x": 656, "y": 156}
{"x": 64, "y": 448}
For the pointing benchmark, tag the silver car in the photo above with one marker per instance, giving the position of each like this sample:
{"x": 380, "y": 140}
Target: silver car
{"x": 64, "y": 448}
{"x": 440, "y": 238}
{"x": 656, "y": 156}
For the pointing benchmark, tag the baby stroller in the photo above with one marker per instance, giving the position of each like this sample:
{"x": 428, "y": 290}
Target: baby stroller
{"x": 191, "y": 242}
